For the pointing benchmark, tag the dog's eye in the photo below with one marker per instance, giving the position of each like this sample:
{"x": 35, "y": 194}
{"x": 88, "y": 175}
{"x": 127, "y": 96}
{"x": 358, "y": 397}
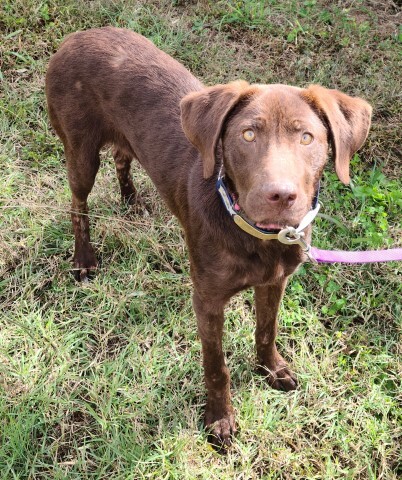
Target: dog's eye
{"x": 306, "y": 139}
{"x": 249, "y": 135}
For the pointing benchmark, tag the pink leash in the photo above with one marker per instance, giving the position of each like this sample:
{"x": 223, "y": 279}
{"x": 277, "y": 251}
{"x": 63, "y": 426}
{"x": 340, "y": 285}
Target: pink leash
{"x": 334, "y": 256}
{"x": 293, "y": 236}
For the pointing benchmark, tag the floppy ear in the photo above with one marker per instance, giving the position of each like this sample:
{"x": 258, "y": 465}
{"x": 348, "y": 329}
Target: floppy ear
{"x": 348, "y": 120}
{"x": 203, "y": 114}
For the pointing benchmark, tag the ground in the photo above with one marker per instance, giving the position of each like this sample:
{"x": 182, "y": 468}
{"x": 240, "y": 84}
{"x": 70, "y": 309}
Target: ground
{"x": 104, "y": 380}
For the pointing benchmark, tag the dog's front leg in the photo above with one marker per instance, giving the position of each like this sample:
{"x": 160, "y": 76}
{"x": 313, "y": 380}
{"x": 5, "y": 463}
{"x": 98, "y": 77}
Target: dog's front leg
{"x": 219, "y": 413}
{"x": 270, "y": 362}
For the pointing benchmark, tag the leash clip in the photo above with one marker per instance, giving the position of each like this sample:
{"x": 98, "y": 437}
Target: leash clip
{"x": 290, "y": 236}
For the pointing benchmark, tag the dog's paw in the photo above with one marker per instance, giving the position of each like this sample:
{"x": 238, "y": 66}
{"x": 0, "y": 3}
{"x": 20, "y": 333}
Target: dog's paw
{"x": 279, "y": 375}
{"x": 84, "y": 270}
{"x": 221, "y": 430}
{"x": 135, "y": 205}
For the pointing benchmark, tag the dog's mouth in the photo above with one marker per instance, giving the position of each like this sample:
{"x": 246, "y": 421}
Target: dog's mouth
{"x": 270, "y": 227}
{"x": 265, "y": 225}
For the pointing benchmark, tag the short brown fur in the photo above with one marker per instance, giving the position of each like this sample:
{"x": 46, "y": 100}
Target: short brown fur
{"x": 112, "y": 86}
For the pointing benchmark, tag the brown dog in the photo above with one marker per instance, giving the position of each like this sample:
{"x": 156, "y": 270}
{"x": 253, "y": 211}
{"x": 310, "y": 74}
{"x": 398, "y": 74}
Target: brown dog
{"x": 112, "y": 86}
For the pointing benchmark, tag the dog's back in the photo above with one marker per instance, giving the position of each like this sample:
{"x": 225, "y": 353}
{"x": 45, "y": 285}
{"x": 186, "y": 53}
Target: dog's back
{"x": 108, "y": 85}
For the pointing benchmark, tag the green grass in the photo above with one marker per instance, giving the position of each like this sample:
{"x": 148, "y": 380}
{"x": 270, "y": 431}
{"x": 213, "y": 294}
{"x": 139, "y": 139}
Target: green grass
{"x": 104, "y": 380}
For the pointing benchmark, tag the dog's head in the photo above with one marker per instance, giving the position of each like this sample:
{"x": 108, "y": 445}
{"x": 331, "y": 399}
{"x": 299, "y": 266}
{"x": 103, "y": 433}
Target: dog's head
{"x": 275, "y": 142}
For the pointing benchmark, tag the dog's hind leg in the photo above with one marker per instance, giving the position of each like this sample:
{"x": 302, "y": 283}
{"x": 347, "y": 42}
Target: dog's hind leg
{"x": 129, "y": 193}
{"x": 82, "y": 167}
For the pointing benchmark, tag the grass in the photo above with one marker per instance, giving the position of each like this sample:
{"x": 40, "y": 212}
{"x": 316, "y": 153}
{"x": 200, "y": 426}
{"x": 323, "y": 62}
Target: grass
{"x": 105, "y": 380}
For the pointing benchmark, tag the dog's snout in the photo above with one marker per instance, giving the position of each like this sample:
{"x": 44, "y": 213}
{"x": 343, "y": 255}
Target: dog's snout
{"x": 283, "y": 194}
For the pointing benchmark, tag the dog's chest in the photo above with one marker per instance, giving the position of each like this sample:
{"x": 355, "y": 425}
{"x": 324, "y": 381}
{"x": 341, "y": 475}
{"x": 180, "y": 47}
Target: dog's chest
{"x": 248, "y": 270}
{"x": 259, "y": 272}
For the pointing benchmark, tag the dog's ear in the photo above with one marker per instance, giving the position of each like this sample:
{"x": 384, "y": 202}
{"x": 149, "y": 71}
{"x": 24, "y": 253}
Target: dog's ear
{"x": 348, "y": 120}
{"x": 203, "y": 114}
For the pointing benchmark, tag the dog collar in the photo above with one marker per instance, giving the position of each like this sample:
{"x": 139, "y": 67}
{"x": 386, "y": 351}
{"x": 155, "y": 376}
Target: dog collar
{"x": 286, "y": 235}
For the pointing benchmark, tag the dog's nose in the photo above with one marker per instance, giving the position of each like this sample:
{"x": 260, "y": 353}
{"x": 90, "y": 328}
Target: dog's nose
{"x": 280, "y": 194}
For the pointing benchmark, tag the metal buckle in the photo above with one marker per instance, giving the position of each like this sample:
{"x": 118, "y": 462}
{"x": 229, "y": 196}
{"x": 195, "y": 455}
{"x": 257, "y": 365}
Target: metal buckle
{"x": 290, "y": 236}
